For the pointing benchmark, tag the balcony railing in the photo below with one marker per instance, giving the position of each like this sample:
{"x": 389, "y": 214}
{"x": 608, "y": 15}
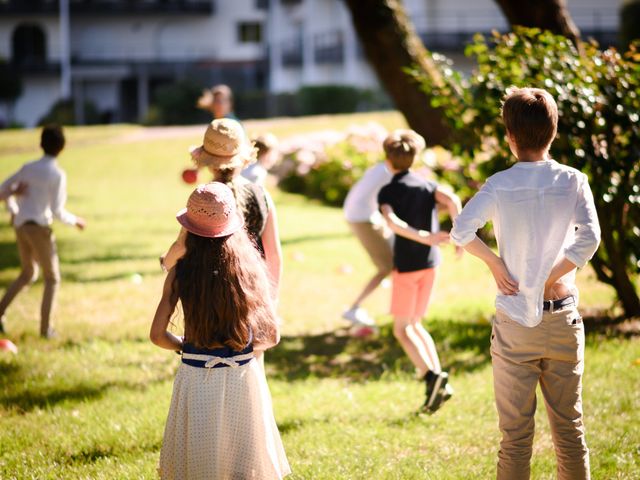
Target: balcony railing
{"x": 39, "y": 7}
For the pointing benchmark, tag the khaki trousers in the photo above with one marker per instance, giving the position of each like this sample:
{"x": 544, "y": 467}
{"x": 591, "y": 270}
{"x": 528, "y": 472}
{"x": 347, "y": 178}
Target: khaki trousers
{"x": 36, "y": 246}
{"x": 551, "y": 354}
{"x": 375, "y": 240}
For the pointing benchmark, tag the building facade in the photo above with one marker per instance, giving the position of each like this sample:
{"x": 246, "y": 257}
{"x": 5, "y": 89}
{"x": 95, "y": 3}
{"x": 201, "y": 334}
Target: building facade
{"x": 116, "y": 53}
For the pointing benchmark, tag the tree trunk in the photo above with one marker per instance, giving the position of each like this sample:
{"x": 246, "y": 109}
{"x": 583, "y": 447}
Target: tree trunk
{"x": 544, "y": 14}
{"x": 391, "y": 45}
{"x": 609, "y": 262}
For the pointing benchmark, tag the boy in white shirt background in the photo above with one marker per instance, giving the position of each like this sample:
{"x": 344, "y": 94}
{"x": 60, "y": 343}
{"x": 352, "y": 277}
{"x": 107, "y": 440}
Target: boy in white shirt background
{"x": 546, "y": 226}
{"x": 33, "y": 212}
{"x": 366, "y": 222}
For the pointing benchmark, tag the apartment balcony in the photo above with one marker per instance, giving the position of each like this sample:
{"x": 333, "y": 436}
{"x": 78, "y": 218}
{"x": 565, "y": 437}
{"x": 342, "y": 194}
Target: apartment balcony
{"x": 109, "y": 7}
{"x": 329, "y": 47}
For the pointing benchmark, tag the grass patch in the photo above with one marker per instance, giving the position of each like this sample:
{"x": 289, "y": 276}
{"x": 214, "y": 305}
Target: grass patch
{"x": 92, "y": 403}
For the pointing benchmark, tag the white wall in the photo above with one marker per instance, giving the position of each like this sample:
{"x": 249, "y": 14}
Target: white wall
{"x": 38, "y": 95}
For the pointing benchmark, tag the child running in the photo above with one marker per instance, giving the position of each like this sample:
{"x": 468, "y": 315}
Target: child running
{"x": 220, "y": 423}
{"x": 43, "y": 187}
{"x": 409, "y": 205}
{"x": 546, "y": 226}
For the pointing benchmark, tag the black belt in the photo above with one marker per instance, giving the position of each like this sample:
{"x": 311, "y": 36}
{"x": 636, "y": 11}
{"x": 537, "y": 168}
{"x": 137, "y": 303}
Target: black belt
{"x": 553, "y": 305}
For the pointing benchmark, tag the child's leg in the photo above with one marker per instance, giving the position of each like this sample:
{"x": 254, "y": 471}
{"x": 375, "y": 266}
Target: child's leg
{"x": 374, "y": 242}
{"x": 403, "y": 301}
{"x": 411, "y": 343}
{"x": 28, "y": 272}
{"x": 47, "y": 256}
{"x": 428, "y": 344}
{"x": 561, "y": 385}
{"x": 516, "y": 353}
{"x": 425, "y": 288}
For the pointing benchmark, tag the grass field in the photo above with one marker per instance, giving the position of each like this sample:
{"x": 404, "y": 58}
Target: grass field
{"x": 91, "y": 403}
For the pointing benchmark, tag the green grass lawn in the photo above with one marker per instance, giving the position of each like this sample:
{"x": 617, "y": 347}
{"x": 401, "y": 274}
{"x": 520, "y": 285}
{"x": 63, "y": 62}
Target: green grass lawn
{"x": 91, "y": 404}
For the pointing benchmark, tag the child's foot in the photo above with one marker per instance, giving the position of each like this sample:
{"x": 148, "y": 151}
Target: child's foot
{"x": 433, "y": 382}
{"x": 436, "y": 384}
{"x": 358, "y": 316}
{"x": 442, "y": 396}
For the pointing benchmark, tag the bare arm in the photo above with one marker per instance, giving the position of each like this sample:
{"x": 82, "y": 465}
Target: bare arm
{"x": 272, "y": 249}
{"x": 554, "y": 290}
{"x": 450, "y": 201}
{"x": 176, "y": 251}
{"x": 453, "y": 205}
{"x": 402, "y": 228}
{"x": 159, "y": 334}
{"x": 505, "y": 283}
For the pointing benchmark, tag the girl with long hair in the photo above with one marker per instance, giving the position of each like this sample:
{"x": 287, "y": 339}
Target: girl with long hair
{"x": 220, "y": 423}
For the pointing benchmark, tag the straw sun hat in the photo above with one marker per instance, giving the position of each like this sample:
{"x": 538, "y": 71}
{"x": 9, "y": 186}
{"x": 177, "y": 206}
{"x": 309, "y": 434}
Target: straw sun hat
{"x": 211, "y": 211}
{"x": 225, "y": 146}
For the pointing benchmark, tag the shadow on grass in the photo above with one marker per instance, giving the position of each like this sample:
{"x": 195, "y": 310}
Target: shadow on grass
{"x": 9, "y": 255}
{"x": 110, "y": 257}
{"x": 314, "y": 238}
{"x": 24, "y": 396}
{"x": 86, "y": 277}
{"x": 461, "y": 346}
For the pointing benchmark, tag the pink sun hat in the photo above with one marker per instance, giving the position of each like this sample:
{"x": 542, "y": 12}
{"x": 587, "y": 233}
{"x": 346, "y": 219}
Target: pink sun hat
{"x": 211, "y": 211}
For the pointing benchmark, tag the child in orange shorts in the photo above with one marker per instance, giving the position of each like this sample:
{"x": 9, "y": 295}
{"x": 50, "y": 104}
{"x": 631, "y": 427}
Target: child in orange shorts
{"x": 409, "y": 206}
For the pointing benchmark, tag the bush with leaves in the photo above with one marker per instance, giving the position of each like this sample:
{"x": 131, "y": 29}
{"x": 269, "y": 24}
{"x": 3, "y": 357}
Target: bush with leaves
{"x": 598, "y": 96}
{"x": 330, "y": 177}
{"x": 175, "y": 104}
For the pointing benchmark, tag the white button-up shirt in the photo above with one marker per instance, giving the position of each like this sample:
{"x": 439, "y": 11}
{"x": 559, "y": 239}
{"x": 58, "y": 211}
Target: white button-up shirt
{"x": 45, "y": 196}
{"x": 361, "y": 204}
{"x": 541, "y": 211}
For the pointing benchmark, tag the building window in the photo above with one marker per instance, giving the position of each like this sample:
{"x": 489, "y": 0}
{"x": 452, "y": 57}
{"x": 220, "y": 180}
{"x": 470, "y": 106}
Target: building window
{"x": 250, "y": 32}
{"x": 29, "y": 45}
{"x": 262, "y": 4}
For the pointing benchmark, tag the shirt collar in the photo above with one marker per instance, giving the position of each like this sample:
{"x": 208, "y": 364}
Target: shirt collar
{"x": 399, "y": 175}
{"x": 533, "y": 164}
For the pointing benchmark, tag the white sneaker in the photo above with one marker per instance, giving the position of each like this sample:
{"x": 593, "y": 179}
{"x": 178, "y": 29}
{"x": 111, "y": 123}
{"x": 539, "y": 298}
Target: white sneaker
{"x": 358, "y": 316}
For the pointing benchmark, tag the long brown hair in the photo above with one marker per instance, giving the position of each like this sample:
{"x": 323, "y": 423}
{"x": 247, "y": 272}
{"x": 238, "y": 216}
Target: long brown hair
{"x": 224, "y": 290}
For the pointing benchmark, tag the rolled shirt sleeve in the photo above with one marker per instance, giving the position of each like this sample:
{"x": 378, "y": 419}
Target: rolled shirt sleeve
{"x": 474, "y": 215}
{"x": 5, "y": 188}
{"x": 587, "y": 236}
{"x": 58, "y": 200}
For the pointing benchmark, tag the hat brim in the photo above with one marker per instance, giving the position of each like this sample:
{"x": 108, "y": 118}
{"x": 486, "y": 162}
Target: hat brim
{"x": 205, "y": 101}
{"x": 245, "y": 157}
{"x": 235, "y": 223}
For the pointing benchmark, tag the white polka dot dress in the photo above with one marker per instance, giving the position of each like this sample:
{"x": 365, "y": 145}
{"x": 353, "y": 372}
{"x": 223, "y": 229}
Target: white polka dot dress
{"x": 221, "y": 426}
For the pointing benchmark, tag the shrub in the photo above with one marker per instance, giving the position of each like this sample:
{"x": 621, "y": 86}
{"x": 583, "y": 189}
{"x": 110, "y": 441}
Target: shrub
{"x": 328, "y": 99}
{"x": 629, "y": 22}
{"x": 63, "y": 113}
{"x": 175, "y": 104}
{"x": 325, "y": 165}
{"x": 598, "y": 96}
{"x": 10, "y": 83}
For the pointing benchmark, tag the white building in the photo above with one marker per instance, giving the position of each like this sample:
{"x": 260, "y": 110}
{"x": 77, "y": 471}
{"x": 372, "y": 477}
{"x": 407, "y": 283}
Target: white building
{"x": 119, "y": 51}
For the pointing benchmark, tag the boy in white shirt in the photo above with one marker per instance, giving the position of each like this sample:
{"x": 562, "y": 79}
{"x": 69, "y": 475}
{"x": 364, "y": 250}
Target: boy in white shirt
{"x": 546, "y": 226}
{"x": 35, "y": 208}
{"x": 366, "y": 222}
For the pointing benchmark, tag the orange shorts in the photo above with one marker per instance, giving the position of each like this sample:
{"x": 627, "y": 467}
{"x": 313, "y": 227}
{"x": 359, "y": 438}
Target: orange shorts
{"x": 411, "y": 292}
